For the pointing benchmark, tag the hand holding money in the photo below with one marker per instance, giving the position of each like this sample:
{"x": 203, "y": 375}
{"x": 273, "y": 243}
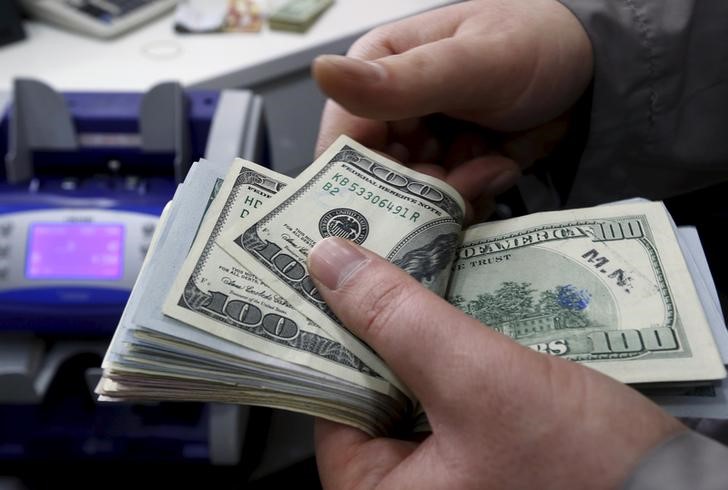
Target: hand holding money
{"x": 493, "y": 112}
{"x": 501, "y": 413}
{"x": 225, "y": 308}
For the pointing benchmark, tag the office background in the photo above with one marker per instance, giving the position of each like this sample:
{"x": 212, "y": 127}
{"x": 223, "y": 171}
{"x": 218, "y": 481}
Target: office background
{"x": 234, "y": 94}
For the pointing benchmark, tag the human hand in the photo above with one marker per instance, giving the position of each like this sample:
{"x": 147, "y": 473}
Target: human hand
{"x": 502, "y": 415}
{"x": 468, "y": 93}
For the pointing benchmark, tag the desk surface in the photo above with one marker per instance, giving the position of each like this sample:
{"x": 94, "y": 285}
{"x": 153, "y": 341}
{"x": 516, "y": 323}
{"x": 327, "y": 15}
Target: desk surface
{"x": 155, "y": 53}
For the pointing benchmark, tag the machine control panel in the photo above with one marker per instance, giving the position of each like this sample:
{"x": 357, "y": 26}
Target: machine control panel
{"x": 59, "y": 248}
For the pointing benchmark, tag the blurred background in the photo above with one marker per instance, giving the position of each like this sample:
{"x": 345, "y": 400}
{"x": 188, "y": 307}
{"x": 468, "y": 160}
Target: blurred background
{"x": 104, "y": 105}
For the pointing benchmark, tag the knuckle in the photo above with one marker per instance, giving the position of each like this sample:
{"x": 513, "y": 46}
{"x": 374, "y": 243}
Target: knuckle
{"x": 365, "y": 45}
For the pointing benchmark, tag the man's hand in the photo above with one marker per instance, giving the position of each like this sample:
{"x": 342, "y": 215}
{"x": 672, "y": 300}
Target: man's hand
{"x": 468, "y": 93}
{"x": 502, "y": 415}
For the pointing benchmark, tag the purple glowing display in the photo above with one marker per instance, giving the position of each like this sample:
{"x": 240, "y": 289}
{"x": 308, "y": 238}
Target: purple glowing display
{"x": 90, "y": 251}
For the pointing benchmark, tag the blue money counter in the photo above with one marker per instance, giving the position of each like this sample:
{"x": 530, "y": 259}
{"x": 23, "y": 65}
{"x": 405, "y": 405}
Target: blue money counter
{"x": 83, "y": 181}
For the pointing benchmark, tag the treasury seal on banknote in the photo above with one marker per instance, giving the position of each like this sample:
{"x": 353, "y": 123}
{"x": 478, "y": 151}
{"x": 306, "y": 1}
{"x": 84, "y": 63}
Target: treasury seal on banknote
{"x": 344, "y": 223}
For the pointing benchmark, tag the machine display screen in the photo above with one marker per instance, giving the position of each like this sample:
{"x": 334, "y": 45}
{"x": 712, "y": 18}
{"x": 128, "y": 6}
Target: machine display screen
{"x": 83, "y": 251}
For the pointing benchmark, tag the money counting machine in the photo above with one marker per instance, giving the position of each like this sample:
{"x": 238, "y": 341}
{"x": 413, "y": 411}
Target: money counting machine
{"x": 84, "y": 179}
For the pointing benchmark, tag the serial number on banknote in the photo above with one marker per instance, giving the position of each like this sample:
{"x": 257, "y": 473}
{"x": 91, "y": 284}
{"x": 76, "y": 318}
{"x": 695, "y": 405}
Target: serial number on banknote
{"x": 359, "y": 190}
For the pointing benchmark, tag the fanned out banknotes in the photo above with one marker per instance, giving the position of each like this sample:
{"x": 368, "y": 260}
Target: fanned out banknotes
{"x": 224, "y": 309}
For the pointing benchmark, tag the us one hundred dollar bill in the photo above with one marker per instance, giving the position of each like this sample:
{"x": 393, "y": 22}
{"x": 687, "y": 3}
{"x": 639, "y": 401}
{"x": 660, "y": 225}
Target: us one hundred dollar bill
{"x": 215, "y": 293}
{"x": 351, "y": 192}
{"x": 270, "y": 361}
{"x": 244, "y": 323}
{"x": 605, "y": 286}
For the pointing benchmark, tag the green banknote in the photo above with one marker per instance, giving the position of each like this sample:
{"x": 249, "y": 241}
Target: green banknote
{"x": 298, "y": 15}
{"x": 605, "y": 286}
{"x": 351, "y": 192}
{"x": 225, "y": 310}
{"x": 215, "y": 293}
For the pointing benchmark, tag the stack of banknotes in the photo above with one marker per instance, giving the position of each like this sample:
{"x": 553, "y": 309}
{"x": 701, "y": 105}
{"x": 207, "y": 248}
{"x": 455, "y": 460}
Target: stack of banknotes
{"x": 298, "y": 15}
{"x": 224, "y": 309}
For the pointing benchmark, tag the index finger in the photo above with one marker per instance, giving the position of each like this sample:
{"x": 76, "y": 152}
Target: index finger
{"x": 347, "y": 456}
{"x": 336, "y": 121}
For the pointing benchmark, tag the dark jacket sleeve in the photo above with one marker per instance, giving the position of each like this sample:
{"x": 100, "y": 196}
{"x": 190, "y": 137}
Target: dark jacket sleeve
{"x": 659, "y": 119}
{"x": 688, "y": 460}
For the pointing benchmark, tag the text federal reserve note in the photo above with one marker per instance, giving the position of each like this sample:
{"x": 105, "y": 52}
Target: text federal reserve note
{"x": 410, "y": 219}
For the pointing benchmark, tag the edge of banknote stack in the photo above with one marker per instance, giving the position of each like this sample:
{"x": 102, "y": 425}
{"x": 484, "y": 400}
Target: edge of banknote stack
{"x": 223, "y": 309}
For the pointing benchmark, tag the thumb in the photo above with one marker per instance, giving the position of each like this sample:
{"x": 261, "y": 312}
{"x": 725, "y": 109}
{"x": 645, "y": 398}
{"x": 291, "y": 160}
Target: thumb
{"x": 418, "y": 334}
{"x": 445, "y": 76}
{"x": 505, "y": 65}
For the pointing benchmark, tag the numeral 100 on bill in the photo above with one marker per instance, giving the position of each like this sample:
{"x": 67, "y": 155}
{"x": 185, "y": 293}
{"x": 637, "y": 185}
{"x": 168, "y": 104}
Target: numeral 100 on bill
{"x": 621, "y": 341}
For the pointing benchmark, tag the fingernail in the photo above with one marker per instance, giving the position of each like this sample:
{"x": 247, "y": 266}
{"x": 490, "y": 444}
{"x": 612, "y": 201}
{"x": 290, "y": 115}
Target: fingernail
{"x": 502, "y": 182}
{"x": 332, "y": 260}
{"x": 352, "y": 67}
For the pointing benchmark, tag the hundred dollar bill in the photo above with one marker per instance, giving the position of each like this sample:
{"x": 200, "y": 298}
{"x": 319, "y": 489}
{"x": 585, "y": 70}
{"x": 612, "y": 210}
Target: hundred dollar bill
{"x": 411, "y": 219}
{"x": 605, "y": 286}
{"x": 201, "y": 182}
{"x": 216, "y": 294}
{"x": 156, "y": 357}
